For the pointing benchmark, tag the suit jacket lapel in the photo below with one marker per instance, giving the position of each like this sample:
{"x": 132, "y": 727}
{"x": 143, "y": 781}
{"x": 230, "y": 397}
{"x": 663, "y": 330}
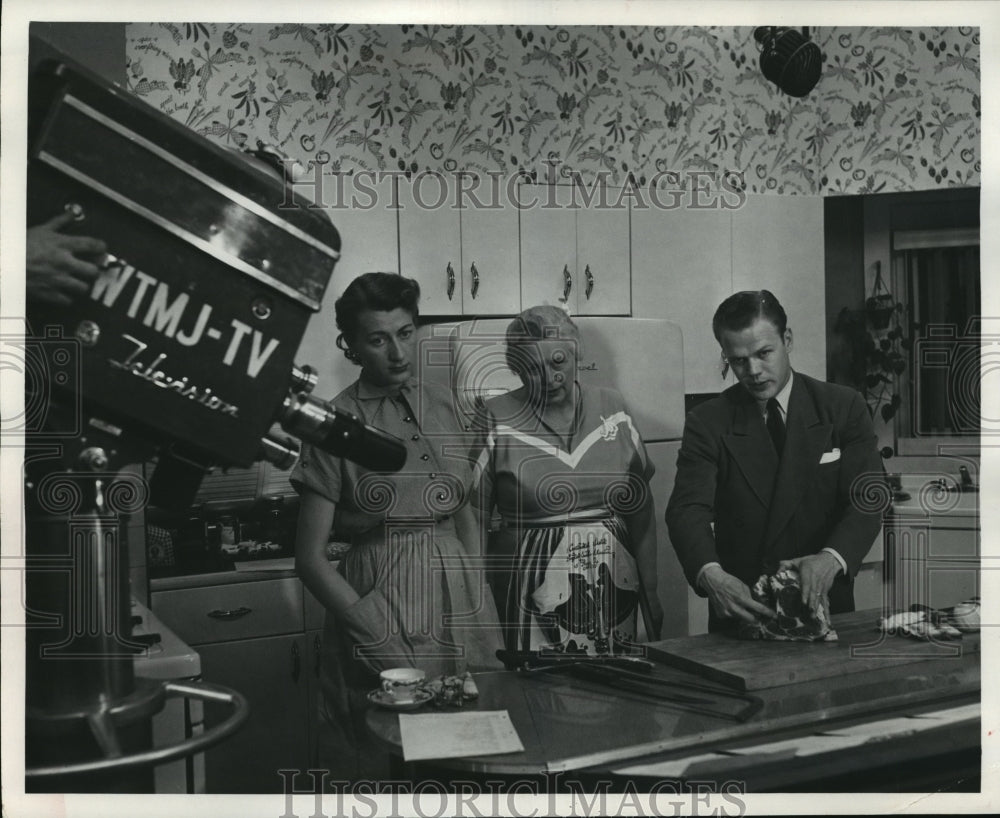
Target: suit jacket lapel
{"x": 751, "y": 448}
{"x": 806, "y": 438}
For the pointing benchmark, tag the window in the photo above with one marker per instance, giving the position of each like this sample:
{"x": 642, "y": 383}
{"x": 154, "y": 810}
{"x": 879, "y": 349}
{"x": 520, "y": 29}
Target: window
{"x": 937, "y": 274}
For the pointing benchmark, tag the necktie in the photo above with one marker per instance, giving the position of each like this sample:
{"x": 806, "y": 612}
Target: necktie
{"x": 775, "y": 426}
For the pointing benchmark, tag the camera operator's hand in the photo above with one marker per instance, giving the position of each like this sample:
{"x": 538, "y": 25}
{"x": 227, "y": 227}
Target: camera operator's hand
{"x": 59, "y": 266}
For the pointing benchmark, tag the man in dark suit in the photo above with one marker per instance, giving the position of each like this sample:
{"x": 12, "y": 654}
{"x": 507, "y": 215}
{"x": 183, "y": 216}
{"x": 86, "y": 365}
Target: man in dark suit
{"x": 772, "y": 470}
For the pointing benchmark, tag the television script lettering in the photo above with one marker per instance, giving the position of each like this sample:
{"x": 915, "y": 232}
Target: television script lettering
{"x": 157, "y": 377}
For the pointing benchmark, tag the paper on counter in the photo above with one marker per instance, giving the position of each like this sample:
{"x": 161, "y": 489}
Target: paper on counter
{"x": 450, "y": 735}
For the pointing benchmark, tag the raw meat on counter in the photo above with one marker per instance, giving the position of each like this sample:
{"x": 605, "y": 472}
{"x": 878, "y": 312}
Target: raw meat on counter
{"x": 796, "y": 621}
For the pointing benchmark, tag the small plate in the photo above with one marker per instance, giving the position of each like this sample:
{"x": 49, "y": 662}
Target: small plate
{"x": 383, "y": 699}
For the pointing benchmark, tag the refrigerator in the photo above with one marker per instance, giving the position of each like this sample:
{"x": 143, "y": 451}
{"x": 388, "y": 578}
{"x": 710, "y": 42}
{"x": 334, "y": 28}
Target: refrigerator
{"x": 641, "y": 358}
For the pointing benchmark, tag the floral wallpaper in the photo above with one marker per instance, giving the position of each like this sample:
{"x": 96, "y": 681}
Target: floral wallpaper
{"x": 895, "y": 108}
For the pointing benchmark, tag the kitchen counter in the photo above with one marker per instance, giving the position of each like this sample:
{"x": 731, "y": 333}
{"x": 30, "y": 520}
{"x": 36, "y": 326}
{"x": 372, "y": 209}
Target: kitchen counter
{"x": 927, "y": 500}
{"x": 567, "y": 724}
{"x": 226, "y": 574}
{"x": 938, "y": 507}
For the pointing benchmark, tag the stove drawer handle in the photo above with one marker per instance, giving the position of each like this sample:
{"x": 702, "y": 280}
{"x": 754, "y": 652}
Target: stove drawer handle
{"x": 235, "y": 613}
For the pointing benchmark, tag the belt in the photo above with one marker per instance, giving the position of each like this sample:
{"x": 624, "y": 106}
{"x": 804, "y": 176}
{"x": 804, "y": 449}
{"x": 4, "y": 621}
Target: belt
{"x": 581, "y": 517}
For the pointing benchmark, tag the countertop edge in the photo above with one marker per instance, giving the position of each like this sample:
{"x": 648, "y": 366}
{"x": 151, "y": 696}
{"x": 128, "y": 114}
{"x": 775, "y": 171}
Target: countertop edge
{"x": 216, "y": 578}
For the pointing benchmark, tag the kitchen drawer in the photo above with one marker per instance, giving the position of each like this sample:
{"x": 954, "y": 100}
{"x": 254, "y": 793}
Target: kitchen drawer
{"x": 914, "y": 542}
{"x": 221, "y": 613}
{"x": 954, "y": 542}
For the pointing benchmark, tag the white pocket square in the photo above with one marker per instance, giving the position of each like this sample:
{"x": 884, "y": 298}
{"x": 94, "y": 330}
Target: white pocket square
{"x": 830, "y": 456}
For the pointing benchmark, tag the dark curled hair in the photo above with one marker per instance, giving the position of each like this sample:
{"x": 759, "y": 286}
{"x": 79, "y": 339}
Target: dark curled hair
{"x": 373, "y": 291}
{"x": 741, "y": 309}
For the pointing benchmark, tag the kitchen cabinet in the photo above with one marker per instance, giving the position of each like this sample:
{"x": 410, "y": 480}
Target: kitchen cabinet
{"x": 932, "y": 564}
{"x": 315, "y": 616}
{"x": 272, "y": 673}
{"x": 778, "y": 246}
{"x": 685, "y": 262}
{"x": 369, "y": 243}
{"x": 575, "y": 254}
{"x": 314, "y": 650}
{"x": 251, "y": 636}
{"x": 464, "y": 256}
{"x": 603, "y": 260}
{"x": 681, "y": 271}
{"x": 933, "y": 548}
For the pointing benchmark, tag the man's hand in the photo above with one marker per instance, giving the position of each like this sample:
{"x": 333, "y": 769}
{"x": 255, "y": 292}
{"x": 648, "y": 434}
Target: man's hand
{"x": 816, "y": 574}
{"x": 58, "y": 266}
{"x": 731, "y": 598}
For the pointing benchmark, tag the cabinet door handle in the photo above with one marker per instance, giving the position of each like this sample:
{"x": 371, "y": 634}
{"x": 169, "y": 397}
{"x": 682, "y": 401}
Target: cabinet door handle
{"x": 567, "y": 283}
{"x": 451, "y": 280}
{"x": 590, "y": 281}
{"x": 235, "y": 613}
{"x": 317, "y": 654}
{"x": 296, "y": 662}
{"x": 475, "y": 279}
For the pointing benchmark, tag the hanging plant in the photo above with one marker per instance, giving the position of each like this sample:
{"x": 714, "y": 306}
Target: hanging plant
{"x": 875, "y": 351}
{"x": 880, "y": 309}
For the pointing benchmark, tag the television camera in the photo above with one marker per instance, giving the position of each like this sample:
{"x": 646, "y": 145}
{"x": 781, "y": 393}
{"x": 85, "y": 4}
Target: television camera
{"x": 180, "y": 355}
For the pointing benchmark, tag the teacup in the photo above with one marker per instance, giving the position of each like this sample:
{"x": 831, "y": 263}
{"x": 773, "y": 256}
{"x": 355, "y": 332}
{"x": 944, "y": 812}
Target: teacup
{"x": 401, "y": 683}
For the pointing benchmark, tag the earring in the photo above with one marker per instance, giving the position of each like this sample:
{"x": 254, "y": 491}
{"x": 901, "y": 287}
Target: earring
{"x": 352, "y": 356}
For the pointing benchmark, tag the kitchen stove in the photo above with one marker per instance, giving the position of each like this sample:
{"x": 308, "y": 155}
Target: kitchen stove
{"x": 167, "y": 658}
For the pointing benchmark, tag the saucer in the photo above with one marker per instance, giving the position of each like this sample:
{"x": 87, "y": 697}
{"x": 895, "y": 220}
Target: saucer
{"x": 383, "y": 699}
